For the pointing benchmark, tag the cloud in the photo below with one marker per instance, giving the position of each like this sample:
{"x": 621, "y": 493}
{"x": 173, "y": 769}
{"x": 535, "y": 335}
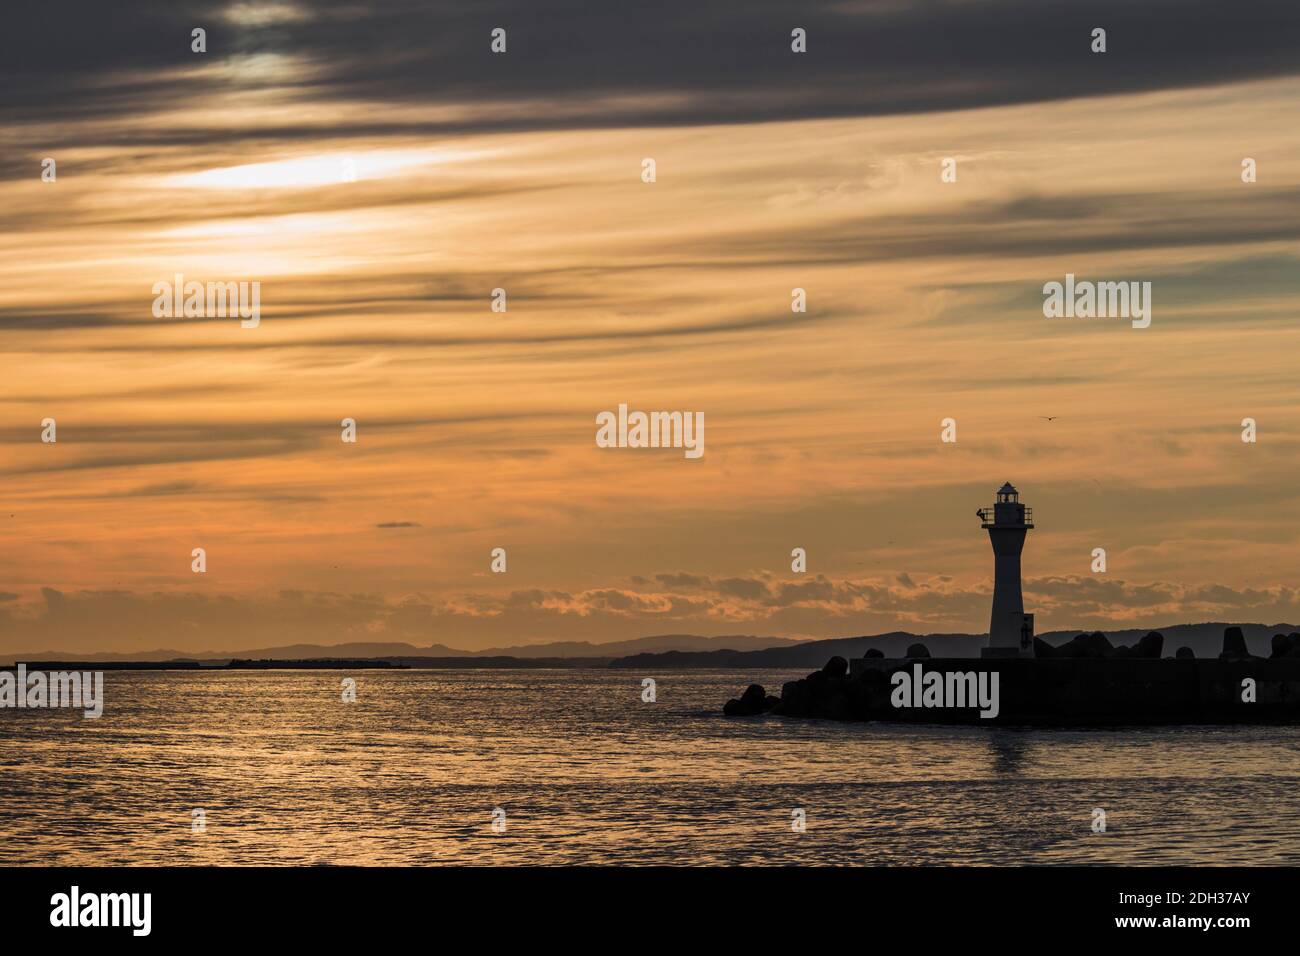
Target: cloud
{"x": 620, "y": 63}
{"x": 816, "y": 607}
{"x": 1031, "y": 225}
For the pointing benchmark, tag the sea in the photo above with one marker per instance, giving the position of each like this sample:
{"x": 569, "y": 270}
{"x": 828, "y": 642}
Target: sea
{"x": 577, "y": 766}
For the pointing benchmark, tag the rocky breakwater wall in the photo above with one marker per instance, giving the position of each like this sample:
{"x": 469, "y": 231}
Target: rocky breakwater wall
{"x": 1084, "y": 682}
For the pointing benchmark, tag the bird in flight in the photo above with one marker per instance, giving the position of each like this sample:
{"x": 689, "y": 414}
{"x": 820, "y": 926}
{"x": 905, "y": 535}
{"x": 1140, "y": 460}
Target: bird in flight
{"x": 1050, "y": 418}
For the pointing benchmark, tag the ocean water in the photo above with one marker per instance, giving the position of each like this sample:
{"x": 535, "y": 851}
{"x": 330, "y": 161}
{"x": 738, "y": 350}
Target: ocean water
{"x": 286, "y": 773}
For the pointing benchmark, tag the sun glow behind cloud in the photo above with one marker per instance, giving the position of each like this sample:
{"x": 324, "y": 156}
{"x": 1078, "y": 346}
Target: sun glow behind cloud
{"x": 257, "y": 15}
{"x": 326, "y": 169}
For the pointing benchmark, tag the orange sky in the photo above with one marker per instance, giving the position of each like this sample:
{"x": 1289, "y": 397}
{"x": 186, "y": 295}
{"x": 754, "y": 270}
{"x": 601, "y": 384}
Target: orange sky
{"x": 476, "y": 429}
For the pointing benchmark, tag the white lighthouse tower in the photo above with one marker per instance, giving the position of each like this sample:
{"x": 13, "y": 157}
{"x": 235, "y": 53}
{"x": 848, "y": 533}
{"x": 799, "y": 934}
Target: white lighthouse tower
{"x": 1011, "y": 630}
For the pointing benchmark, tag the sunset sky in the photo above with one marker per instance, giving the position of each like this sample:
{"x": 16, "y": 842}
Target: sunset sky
{"x": 522, "y": 170}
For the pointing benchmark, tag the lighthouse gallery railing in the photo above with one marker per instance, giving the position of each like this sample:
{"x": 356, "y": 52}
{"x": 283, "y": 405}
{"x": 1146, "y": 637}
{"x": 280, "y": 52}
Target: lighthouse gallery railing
{"x": 987, "y": 515}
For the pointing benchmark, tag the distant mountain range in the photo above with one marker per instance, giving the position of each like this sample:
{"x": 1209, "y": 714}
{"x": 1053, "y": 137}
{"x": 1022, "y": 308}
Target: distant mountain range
{"x": 811, "y": 653}
{"x": 685, "y": 650}
{"x": 555, "y": 649}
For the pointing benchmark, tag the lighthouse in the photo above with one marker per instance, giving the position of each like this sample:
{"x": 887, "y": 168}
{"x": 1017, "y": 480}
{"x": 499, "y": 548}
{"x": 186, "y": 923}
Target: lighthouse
{"x": 1011, "y": 630}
